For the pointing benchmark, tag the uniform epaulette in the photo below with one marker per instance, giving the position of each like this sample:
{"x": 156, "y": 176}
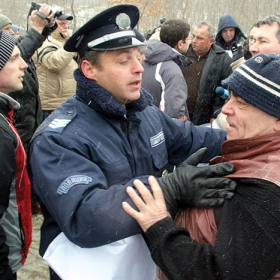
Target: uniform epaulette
{"x": 60, "y": 122}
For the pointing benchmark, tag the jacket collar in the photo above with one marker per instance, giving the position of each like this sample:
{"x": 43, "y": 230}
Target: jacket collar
{"x": 7, "y": 104}
{"x": 96, "y": 97}
{"x": 256, "y": 157}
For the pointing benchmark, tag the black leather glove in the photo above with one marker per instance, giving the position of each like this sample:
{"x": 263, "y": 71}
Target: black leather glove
{"x": 191, "y": 186}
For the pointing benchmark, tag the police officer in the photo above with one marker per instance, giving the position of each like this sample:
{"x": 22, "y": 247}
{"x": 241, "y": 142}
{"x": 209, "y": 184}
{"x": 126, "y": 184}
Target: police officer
{"x": 94, "y": 145}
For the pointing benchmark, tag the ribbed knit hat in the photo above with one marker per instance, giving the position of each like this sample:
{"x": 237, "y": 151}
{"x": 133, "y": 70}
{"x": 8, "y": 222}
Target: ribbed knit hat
{"x": 4, "y": 21}
{"x": 257, "y": 81}
{"x": 7, "y": 44}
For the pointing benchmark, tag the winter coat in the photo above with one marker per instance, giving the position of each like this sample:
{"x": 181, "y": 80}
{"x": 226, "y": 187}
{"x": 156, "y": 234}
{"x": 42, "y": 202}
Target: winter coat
{"x": 163, "y": 78}
{"x": 217, "y": 68}
{"x": 29, "y": 116}
{"x": 55, "y": 68}
{"x": 91, "y": 148}
{"x": 236, "y": 45}
{"x": 246, "y": 227}
{"x": 15, "y": 199}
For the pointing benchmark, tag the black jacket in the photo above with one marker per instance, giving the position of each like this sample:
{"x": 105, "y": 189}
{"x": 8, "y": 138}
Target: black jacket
{"x": 236, "y": 45}
{"x": 29, "y": 116}
{"x": 217, "y": 68}
{"x": 247, "y": 244}
{"x": 7, "y": 168}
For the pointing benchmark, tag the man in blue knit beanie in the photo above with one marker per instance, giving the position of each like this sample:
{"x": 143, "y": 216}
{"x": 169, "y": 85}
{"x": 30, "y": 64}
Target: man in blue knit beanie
{"x": 240, "y": 239}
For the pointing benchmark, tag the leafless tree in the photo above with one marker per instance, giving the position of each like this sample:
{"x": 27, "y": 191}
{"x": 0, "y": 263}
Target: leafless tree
{"x": 245, "y": 12}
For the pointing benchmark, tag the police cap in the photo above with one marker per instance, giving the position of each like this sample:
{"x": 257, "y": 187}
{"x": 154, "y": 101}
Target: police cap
{"x": 111, "y": 29}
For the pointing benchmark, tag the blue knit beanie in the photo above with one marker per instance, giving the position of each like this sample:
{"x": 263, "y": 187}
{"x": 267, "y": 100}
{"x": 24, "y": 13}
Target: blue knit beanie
{"x": 7, "y": 44}
{"x": 257, "y": 81}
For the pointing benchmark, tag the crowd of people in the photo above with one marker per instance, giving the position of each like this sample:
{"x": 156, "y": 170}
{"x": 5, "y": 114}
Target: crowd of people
{"x": 111, "y": 136}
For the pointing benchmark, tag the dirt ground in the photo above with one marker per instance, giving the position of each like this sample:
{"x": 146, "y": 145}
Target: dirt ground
{"x": 35, "y": 268}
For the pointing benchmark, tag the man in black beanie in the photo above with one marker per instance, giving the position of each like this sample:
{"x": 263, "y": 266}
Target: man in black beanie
{"x": 240, "y": 239}
{"x": 29, "y": 116}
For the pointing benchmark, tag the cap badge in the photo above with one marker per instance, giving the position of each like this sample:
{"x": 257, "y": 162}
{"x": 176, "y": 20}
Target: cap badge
{"x": 259, "y": 59}
{"x": 123, "y": 21}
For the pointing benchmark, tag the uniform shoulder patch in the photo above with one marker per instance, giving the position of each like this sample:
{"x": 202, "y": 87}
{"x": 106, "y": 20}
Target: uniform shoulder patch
{"x": 59, "y": 123}
{"x": 157, "y": 139}
{"x": 71, "y": 181}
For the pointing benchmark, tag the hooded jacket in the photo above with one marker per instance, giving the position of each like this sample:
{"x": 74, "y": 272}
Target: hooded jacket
{"x": 163, "y": 78}
{"x": 91, "y": 148}
{"x": 236, "y": 45}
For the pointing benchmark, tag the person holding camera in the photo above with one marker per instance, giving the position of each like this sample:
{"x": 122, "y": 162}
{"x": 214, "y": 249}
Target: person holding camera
{"x": 55, "y": 67}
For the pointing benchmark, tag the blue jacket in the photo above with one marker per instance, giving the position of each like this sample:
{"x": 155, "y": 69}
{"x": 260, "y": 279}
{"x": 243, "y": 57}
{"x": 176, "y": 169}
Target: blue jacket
{"x": 91, "y": 148}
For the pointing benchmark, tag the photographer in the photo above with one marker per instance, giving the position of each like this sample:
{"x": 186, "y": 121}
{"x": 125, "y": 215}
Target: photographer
{"x": 55, "y": 67}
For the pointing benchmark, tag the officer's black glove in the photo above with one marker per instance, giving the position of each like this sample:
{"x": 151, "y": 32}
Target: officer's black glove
{"x": 191, "y": 186}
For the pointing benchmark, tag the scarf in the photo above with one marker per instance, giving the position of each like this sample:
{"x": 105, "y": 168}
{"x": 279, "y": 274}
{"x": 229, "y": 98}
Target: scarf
{"x": 257, "y": 157}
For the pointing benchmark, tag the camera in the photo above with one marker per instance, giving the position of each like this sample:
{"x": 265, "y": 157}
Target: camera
{"x": 35, "y": 6}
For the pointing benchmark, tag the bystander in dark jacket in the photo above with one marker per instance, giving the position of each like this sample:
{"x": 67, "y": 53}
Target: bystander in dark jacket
{"x": 234, "y": 46}
{"x": 211, "y": 65}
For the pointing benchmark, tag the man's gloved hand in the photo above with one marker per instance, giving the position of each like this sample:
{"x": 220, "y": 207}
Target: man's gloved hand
{"x": 191, "y": 186}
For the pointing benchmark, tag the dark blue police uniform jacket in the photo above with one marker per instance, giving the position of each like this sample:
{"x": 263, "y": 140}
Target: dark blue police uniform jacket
{"x": 91, "y": 148}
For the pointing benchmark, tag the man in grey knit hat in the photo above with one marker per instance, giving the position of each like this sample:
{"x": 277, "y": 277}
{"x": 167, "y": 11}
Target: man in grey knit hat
{"x": 240, "y": 239}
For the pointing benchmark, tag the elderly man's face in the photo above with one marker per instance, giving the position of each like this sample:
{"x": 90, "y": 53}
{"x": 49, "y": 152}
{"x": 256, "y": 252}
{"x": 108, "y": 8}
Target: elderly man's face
{"x": 245, "y": 120}
{"x": 11, "y": 75}
{"x": 265, "y": 40}
{"x": 62, "y": 26}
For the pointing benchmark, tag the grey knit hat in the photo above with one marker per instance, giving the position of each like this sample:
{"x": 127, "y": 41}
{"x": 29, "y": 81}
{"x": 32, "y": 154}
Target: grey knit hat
{"x": 257, "y": 81}
{"x": 4, "y": 21}
{"x": 7, "y": 44}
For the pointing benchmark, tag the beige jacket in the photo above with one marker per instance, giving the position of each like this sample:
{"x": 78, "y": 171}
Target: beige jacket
{"x": 55, "y": 69}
